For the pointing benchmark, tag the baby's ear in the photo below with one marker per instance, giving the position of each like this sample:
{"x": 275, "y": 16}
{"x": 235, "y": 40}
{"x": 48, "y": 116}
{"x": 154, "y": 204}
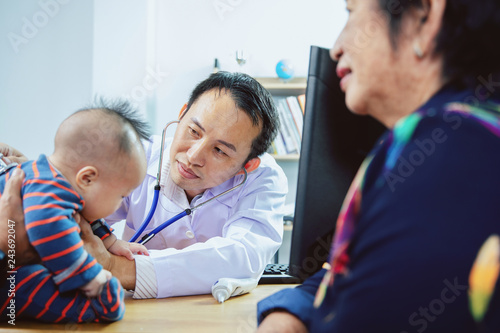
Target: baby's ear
{"x": 86, "y": 176}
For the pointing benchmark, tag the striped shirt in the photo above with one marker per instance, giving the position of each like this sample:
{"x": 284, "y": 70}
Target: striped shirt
{"x": 49, "y": 204}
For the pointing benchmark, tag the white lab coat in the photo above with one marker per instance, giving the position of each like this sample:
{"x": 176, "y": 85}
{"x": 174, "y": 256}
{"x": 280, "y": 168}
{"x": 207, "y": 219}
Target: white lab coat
{"x": 234, "y": 236}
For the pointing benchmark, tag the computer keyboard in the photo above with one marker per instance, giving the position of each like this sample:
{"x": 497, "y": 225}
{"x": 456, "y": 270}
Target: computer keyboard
{"x": 277, "y": 274}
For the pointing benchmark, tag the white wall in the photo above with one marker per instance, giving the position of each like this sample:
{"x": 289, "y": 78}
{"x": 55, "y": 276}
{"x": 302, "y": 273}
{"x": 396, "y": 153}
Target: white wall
{"x": 120, "y": 50}
{"x": 45, "y": 68}
{"x": 192, "y": 33}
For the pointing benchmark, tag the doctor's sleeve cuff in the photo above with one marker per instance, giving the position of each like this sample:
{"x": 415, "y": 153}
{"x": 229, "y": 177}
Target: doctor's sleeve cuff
{"x": 145, "y": 278}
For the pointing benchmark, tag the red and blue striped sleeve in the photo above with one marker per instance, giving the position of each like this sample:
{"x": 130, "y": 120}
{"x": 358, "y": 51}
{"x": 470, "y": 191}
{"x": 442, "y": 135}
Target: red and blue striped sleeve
{"x": 49, "y": 204}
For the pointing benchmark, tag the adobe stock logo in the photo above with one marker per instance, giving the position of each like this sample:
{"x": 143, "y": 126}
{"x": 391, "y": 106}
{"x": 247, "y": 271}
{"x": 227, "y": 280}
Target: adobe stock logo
{"x": 223, "y": 6}
{"x": 428, "y": 314}
{"x": 31, "y": 27}
{"x": 151, "y": 81}
{"x": 406, "y": 166}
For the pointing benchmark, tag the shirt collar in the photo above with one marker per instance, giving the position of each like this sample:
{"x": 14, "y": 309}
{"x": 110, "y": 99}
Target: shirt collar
{"x": 448, "y": 93}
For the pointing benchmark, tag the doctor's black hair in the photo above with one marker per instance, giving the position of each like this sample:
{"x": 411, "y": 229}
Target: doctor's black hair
{"x": 249, "y": 96}
{"x": 466, "y": 40}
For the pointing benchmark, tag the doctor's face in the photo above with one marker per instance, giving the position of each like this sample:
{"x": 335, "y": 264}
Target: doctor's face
{"x": 211, "y": 143}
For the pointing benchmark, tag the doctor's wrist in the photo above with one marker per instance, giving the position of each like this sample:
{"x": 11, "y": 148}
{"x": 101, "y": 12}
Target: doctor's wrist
{"x": 124, "y": 270}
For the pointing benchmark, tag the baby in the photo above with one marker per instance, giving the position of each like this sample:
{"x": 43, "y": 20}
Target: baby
{"x": 97, "y": 161}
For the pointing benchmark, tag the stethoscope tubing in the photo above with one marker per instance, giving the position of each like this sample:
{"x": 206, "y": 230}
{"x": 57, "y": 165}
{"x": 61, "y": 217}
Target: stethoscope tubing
{"x": 150, "y": 214}
{"x": 157, "y": 186}
{"x": 162, "y": 226}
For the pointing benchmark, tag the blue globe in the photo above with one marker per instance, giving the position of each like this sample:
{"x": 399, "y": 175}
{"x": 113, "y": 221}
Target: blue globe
{"x": 284, "y": 69}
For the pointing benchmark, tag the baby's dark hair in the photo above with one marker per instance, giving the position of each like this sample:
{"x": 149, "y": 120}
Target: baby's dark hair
{"x": 125, "y": 113}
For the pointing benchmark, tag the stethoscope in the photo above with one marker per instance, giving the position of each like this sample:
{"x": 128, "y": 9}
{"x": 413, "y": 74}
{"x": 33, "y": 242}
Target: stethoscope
{"x": 146, "y": 238}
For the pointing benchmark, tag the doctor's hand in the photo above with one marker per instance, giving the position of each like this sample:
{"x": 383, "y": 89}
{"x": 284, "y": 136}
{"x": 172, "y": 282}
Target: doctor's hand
{"x": 122, "y": 268}
{"x": 12, "y": 218}
{"x": 281, "y": 321}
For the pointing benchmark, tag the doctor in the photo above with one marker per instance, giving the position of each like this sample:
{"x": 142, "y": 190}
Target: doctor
{"x": 229, "y": 122}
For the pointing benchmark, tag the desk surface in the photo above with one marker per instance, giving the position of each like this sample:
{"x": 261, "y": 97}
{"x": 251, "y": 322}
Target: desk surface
{"x": 199, "y": 313}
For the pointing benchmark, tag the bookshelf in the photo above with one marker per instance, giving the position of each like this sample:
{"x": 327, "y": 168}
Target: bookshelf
{"x": 287, "y": 157}
{"x": 275, "y": 86}
{"x": 288, "y": 162}
{"x": 278, "y": 88}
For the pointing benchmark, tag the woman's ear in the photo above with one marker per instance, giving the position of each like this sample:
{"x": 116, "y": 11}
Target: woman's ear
{"x": 86, "y": 177}
{"x": 251, "y": 165}
{"x": 429, "y": 20}
{"x": 183, "y": 110}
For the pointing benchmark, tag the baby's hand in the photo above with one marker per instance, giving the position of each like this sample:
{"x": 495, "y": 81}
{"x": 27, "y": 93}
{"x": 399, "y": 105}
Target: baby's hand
{"x": 127, "y": 250}
{"x": 94, "y": 287}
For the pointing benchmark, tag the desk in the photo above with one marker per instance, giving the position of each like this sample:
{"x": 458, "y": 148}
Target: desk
{"x": 199, "y": 313}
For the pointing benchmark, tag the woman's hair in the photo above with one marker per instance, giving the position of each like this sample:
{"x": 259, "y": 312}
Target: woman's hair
{"x": 467, "y": 39}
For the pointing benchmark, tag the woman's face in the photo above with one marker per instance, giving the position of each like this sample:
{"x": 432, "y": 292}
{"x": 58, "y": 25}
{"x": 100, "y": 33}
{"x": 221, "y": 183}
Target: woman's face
{"x": 375, "y": 76}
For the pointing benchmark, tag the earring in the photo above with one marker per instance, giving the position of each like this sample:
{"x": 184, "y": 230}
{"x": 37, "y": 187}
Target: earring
{"x": 418, "y": 50}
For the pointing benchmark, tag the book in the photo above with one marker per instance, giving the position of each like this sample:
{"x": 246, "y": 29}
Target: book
{"x": 297, "y": 114}
{"x": 285, "y": 127}
{"x": 291, "y": 128}
{"x": 302, "y": 102}
{"x": 279, "y": 145}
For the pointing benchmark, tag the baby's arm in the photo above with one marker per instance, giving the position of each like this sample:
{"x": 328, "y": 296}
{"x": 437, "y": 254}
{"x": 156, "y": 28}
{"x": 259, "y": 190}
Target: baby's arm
{"x": 126, "y": 249}
{"x": 114, "y": 245}
{"x": 109, "y": 241}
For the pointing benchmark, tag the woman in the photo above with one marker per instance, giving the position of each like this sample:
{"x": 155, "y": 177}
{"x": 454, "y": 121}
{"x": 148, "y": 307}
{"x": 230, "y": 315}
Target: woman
{"x": 426, "y": 199}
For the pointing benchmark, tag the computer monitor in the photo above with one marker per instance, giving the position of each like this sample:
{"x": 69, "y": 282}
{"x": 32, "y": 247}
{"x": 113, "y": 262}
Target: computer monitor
{"x": 335, "y": 141}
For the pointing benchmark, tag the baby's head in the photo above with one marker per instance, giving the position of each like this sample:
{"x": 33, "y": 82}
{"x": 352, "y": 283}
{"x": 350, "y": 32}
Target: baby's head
{"x": 99, "y": 151}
